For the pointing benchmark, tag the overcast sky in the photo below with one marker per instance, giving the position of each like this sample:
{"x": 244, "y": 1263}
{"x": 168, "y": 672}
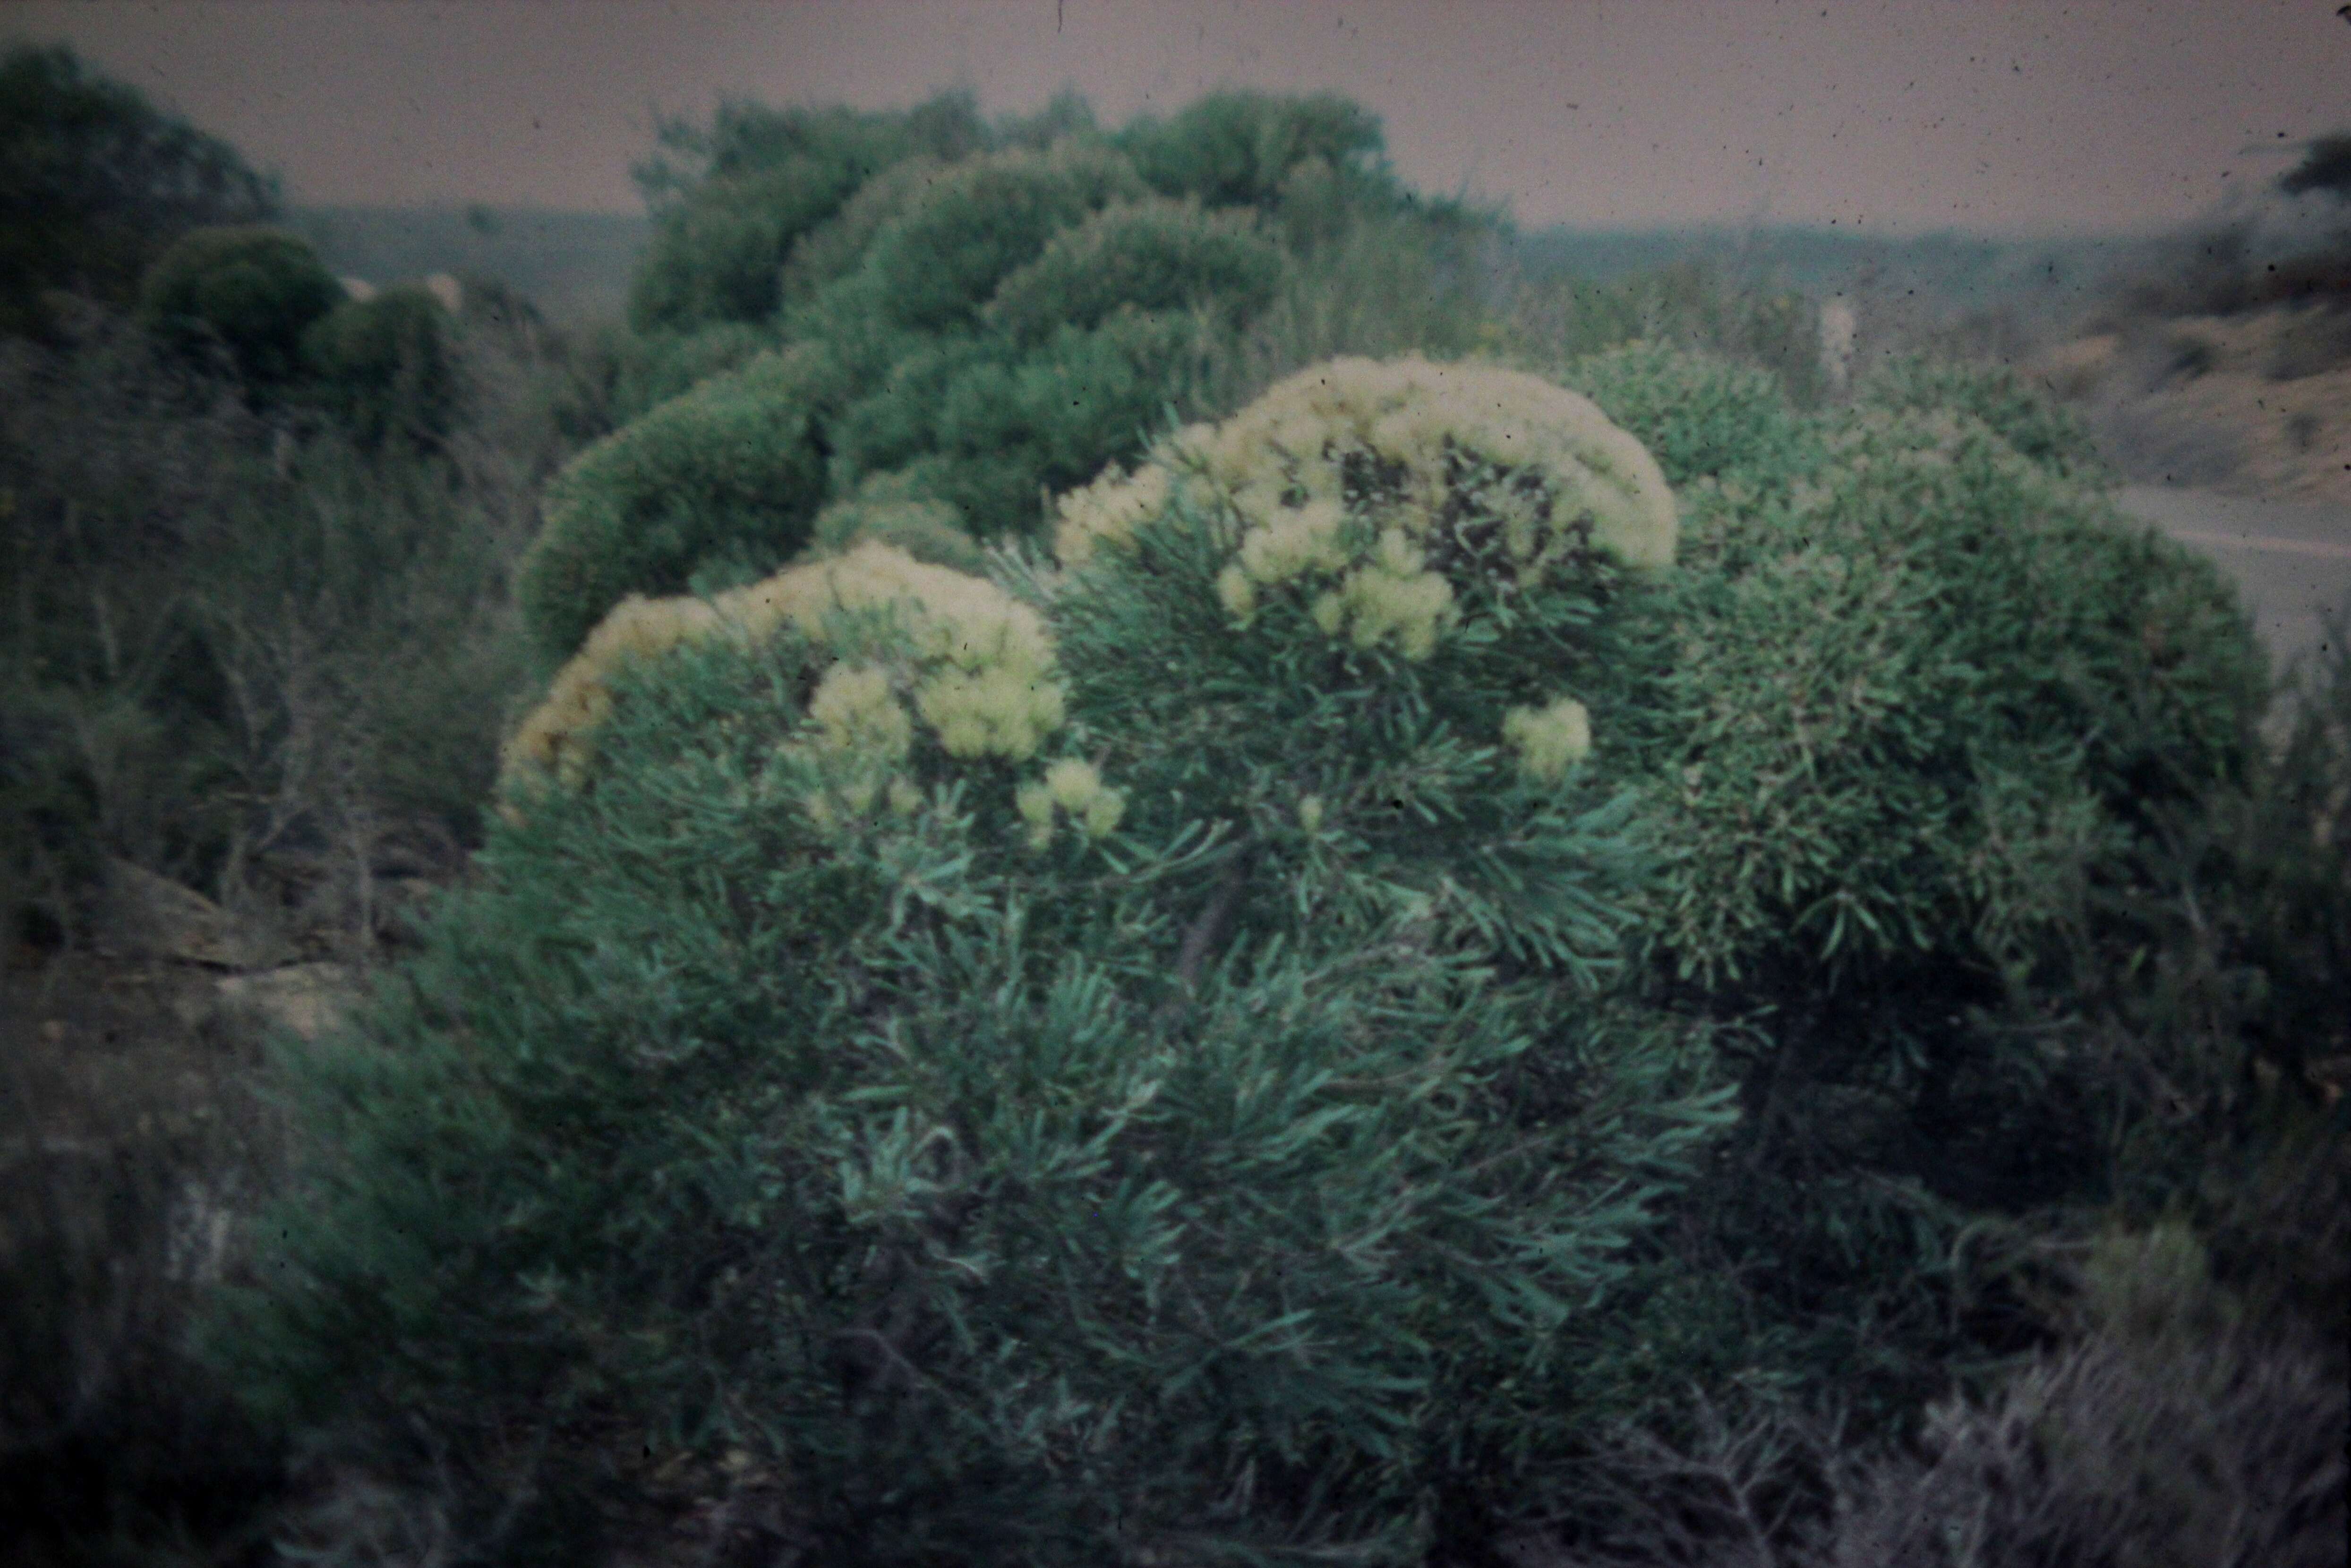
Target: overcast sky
{"x": 1896, "y": 116}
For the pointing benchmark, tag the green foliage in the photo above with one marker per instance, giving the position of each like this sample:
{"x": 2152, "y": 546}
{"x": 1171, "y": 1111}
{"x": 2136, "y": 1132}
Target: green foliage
{"x": 255, "y": 291}
{"x": 265, "y": 671}
{"x": 896, "y": 509}
{"x": 2044, "y": 431}
{"x": 833, "y": 250}
{"x": 1241, "y": 148}
{"x": 766, "y": 180}
{"x": 386, "y": 368}
{"x": 1701, "y": 414}
{"x": 1049, "y": 421}
{"x": 1147, "y": 256}
{"x": 735, "y": 466}
{"x": 1005, "y": 309}
{"x": 1992, "y": 674}
{"x": 1558, "y": 320}
{"x": 1926, "y": 703}
{"x": 1381, "y": 285}
{"x": 97, "y": 182}
{"x": 936, "y": 264}
{"x": 611, "y": 374}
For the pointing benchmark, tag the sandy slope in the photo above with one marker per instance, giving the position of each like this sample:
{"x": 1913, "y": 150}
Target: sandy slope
{"x": 2256, "y": 405}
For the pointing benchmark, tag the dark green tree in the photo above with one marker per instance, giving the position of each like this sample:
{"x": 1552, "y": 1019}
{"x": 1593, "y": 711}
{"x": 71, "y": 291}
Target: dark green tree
{"x": 253, "y": 292}
{"x": 96, "y": 182}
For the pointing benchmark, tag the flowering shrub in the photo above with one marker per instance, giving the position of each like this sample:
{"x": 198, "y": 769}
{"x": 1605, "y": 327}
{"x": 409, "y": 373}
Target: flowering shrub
{"x": 1051, "y": 1067}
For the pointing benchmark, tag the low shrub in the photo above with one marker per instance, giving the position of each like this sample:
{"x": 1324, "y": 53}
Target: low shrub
{"x": 387, "y": 368}
{"x": 896, "y": 509}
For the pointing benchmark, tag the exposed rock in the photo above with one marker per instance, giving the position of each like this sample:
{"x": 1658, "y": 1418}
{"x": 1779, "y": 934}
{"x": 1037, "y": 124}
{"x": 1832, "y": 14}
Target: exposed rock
{"x": 143, "y": 915}
{"x": 306, "y": 998}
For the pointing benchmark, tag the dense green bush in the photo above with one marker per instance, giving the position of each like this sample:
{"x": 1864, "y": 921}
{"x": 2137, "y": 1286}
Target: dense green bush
{"x": 1926, "y": 703}
{"x": 897, "y": 509}
{"x": 731, "y": 472}
{"x": 386, "y": 367}
{"x": 934, "y": 265}
{"x": 1007, "y": 429}
{"x": 1993, "y": 674}
{"x": 2042, "y": 429}
{"x": 254, "y": 291}
{"x": 756, "y": 184}
{"x": 1005, "y": 309}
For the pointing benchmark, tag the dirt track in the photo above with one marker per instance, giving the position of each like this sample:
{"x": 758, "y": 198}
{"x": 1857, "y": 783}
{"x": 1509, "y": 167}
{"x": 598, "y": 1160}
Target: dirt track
{"x": 2291, "y": 559}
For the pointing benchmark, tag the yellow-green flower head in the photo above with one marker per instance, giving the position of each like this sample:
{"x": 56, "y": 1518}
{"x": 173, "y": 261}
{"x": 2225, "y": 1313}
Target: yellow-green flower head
{"x": 1541, "y": 462}
{"x": 1073, "y": 786}
{"x": 1289, "y": 542}
{"x": 1108, "y": 510}
{"x": 857, "y": 712}
{"x": 1548, "y": 740}
{"x": 554, "y": 736}
{"x": 979, "y": 663}
{"x": 1375, "y": 604}
{"x": 999, "y": 712}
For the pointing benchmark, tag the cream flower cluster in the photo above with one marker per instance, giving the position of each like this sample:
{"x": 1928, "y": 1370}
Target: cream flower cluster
{"x": 1279, "y": 469}
{"x": 862, "y": 737}
{"x": 1109, "y": 510}
{"x": 978, "y": 662}
{"x": 1549, "y": 739}
{"x": 1073, "y": 787}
